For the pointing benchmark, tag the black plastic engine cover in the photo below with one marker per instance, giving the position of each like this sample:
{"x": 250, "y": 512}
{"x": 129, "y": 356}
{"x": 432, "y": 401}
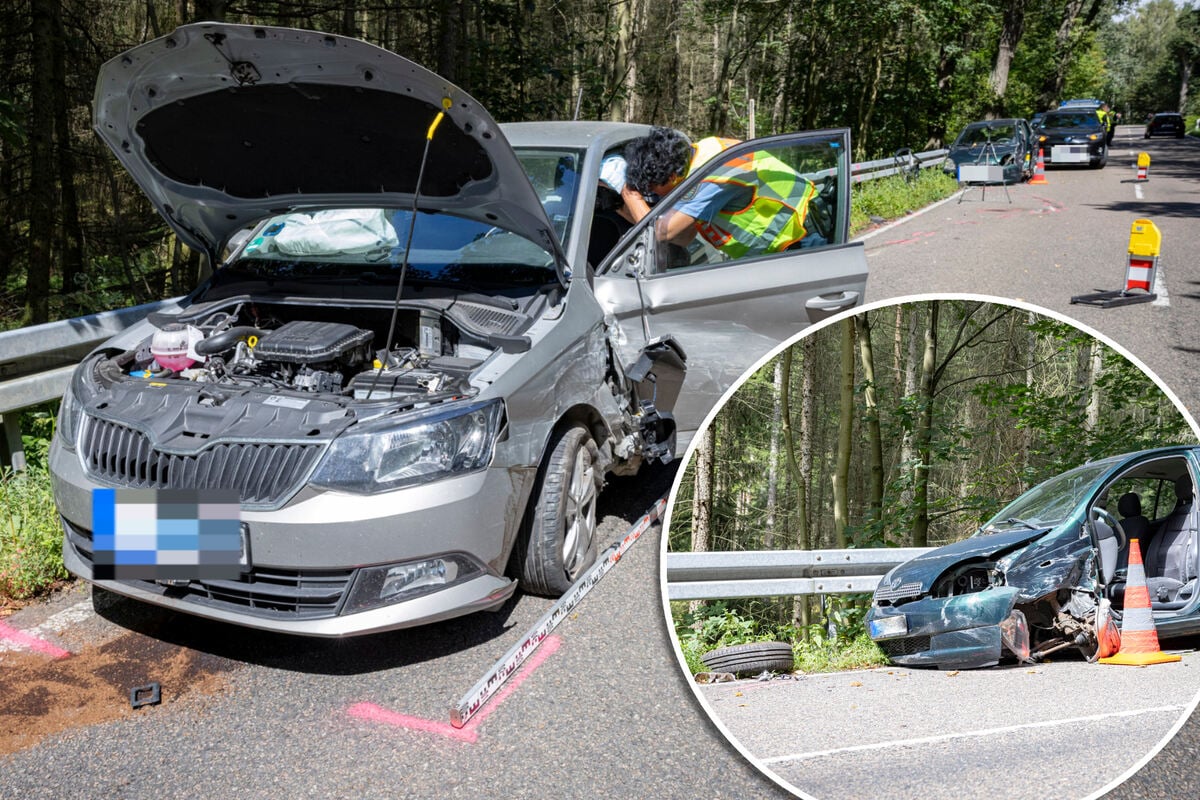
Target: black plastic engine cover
{"x": 302, "y": 342}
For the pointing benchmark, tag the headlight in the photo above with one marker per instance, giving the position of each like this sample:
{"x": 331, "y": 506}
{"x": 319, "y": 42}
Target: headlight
{"x": 69, "y": 412}
{"x": 394, "y": 452}
{"x": 1093, "y": 136}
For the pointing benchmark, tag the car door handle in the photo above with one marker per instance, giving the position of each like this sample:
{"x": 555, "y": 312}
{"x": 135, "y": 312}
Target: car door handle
{"x": 826, "y": 305}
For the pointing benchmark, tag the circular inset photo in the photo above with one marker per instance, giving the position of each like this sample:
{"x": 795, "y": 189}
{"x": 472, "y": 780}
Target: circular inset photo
{"x": 941, "y": 548}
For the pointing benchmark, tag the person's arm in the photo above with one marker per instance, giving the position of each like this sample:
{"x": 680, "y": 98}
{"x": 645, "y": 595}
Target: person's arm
{"x": 675, "y": 226}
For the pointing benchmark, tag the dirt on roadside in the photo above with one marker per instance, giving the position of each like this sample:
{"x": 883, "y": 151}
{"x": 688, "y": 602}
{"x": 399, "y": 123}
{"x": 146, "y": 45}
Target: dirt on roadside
{"x": 40, "y": 696}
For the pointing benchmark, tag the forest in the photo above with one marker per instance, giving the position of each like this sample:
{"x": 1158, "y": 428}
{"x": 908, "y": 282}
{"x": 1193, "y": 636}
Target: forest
{"x": 907, "y": 425}
{"x": 76, "y": 236}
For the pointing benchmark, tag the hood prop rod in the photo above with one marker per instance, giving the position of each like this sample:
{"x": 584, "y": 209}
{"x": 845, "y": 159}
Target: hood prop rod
{"x": 412, "y": 225}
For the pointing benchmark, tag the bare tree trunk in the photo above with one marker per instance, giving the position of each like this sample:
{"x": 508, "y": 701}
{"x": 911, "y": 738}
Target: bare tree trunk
{"x": 912, "y": 371}
{"x": 841, "y": 473}
{"x": 1095, "y": 368}
{"x": 622, "y": 47}
{"x": 71, "y": 233}
{"x": 773, "y": 455}
{"x": 42, "y": 178}
{"x": 923, "y": 437}
{"x": 1012, "y": 26}
{"x": 874, "y": 436}
{"x": 702, "y": 499}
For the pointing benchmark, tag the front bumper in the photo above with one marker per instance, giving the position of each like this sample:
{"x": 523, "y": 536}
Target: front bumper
{"x": 1089, "y": 153}
{"x": 961, "y": 632}
{"x": 307, "y": 556}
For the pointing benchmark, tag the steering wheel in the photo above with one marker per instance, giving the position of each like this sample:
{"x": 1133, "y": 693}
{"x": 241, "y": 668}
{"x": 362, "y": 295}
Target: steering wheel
{"x": 1111, "y": 521}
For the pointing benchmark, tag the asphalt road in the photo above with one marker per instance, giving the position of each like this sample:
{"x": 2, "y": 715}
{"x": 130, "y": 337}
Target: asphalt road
{"x": 252, "y": 715}
{"x": 1063, "y": 729}
{"x": 1066, "y": 238}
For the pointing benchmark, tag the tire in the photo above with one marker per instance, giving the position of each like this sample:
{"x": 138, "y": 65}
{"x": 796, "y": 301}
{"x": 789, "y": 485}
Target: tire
{"x": 558, "y": 539}
{"x": 753, "y": 658}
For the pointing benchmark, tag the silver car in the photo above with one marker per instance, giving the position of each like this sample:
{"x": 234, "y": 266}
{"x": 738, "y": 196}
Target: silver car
{"x": 425, "y": 343}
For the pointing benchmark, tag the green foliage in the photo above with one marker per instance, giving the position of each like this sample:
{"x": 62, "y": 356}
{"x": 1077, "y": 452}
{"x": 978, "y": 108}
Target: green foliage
{"x": 30, "y": 539}
{"x": 858, "y": 653}
{"x": 893, "y": 197}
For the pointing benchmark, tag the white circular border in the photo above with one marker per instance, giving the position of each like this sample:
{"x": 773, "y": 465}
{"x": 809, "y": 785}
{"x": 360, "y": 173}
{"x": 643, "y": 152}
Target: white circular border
{"x": 813, "y": 328}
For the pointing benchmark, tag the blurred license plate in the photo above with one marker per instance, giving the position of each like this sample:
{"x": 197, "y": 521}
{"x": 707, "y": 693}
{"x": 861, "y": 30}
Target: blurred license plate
{"x": 1069, "y": 153}
{"x": 885, "y": 627}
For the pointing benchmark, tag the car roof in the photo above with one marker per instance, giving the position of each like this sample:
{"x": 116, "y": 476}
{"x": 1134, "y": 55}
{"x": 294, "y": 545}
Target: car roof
{"x": 579, "y": 134}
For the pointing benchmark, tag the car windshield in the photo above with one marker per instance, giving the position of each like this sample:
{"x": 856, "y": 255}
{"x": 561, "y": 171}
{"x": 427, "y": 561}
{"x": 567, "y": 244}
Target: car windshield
{"x": 367, "y": 245}
{"x": 986, "y": 133}
{"x": 1049, "y": 503}
{"x": 554, "y": 175}
{"x": 1079, "y": 119}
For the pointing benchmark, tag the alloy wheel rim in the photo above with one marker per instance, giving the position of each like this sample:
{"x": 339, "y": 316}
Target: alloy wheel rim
{"x": 580, "y": 514}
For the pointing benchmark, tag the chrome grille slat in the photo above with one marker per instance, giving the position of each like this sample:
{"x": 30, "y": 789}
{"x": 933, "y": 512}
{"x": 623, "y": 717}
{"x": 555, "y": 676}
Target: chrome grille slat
{"x": 264, "y": 473}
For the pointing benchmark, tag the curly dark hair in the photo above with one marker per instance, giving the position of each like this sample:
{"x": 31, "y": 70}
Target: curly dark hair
{"x": 655, "y": 157}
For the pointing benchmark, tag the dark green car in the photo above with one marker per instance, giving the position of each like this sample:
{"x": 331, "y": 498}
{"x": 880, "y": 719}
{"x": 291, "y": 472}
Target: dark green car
{"x": 1048, "y": 572}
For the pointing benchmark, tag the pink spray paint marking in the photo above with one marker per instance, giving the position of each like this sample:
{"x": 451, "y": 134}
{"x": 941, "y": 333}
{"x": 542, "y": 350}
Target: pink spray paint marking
{"x": 467, "y": 733}
{"x": 31, "y": 642}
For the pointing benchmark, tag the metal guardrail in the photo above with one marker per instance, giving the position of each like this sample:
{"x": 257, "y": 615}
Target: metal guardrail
{"x": 36, "y": 362}
{"x": 722, "y": 575}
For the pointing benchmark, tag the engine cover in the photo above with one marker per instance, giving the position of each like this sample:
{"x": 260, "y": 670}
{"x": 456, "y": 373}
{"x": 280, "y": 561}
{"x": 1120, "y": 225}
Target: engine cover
{"x": 302, "y": 342}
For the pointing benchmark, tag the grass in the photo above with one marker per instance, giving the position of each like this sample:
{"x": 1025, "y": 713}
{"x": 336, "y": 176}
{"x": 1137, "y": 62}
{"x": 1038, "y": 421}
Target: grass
{"x": 893, "y": 197}
{"x": 30, "y": 538}
{"x": 861, "y": 653}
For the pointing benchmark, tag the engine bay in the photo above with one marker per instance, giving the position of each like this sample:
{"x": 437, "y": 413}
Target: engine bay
{"x": 310, "y": 349}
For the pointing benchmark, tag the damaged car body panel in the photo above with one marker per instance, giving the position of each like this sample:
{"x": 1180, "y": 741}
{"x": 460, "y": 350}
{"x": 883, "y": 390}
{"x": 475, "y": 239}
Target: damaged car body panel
{"x": 400, "y": 362}
{"x": 1047, "y": 572}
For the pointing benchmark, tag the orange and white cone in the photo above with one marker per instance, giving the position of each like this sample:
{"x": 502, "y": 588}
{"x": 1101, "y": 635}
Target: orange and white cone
{"x": 1039, "y": 169}
{"x": 1139, "y": 637}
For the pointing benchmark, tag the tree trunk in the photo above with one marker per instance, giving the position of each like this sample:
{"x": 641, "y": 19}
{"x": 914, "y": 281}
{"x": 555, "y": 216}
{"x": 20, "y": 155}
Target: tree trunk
{"x": 702, "y": 498}
{"x": 773, "y": 455}
{"x": 841, "y": 473}
{"x": 42, "y": 177}
{"x": 874, "y": 436}
{"x": 71, "y": 241}
{"x": 1012, "y": 26}
{"x": 923, "y": 437}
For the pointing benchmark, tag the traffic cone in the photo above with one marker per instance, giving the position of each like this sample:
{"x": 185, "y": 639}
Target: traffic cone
{"x": 1139, "y": 637}
{"x": 1039, "y": 170}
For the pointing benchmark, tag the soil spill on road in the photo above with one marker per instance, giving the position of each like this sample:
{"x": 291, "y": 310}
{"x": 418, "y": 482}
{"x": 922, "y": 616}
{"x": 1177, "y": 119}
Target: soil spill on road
{"x": 40, "y": 696}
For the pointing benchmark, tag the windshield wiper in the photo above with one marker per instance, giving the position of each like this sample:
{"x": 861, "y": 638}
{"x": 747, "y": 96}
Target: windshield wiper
{"x": 1026, "y": 523}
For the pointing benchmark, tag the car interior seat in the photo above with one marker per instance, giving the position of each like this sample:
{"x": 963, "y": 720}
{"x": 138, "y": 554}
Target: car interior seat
{"x": 1169, "y": 560}
{"x": 1136, "y": 526}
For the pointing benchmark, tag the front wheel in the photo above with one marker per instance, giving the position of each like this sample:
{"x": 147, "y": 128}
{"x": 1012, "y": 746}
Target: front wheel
{"x": 558, "y": 539}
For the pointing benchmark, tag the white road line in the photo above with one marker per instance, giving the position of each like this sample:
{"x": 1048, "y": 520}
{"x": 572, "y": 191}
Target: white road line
{"x": 1160, "y": 288}
{"x": 1137, "y": 191}
{"x": 970, "y": 734}
{"x": 55, "y": 624}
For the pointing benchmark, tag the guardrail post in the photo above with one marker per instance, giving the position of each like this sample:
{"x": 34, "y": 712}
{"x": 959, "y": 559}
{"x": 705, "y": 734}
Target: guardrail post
{"x": 12, "y": 451}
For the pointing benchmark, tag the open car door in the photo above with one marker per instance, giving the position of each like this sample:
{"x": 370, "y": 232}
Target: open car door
{"x": 727, "y": 311}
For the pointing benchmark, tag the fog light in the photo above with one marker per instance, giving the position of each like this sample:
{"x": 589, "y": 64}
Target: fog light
{"x": 393, "y": 583}
{"x": 434, "y": 572}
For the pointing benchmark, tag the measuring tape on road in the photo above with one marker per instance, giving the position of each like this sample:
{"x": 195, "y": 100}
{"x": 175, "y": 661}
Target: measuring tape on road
{"x": 487, "y": 686}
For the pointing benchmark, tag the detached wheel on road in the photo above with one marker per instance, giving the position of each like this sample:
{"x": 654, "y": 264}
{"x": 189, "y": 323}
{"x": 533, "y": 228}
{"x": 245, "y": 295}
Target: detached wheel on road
{"x": 751, "y": 658}
{"x": 558, "y": 541}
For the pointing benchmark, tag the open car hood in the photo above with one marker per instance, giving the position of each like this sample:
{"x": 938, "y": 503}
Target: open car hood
{"x": 222, "y": 125}
{"x": 928, "y": 568}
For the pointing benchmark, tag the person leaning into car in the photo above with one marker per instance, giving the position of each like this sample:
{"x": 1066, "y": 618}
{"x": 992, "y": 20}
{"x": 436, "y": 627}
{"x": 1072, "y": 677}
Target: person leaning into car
{"x": 1110, "y": 122}
{"x": 752, "y": 205}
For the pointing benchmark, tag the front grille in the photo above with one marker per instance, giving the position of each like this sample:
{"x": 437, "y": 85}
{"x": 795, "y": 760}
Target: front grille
{"x": 264, "y": 474}
{"x": 263, "y": 592}
{"x": 908, "y": 646}
{"x": 911, "y": 589}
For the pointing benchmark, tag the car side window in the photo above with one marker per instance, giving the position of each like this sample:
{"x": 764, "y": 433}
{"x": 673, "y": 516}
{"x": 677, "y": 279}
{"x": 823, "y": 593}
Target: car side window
{"x": 756, "y": 200}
